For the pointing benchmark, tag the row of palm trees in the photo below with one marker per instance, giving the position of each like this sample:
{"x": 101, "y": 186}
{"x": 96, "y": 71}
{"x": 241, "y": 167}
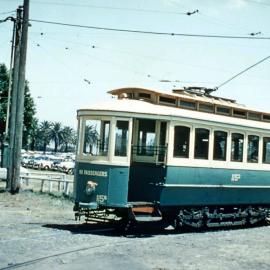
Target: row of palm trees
{"x": 54, "y": 133}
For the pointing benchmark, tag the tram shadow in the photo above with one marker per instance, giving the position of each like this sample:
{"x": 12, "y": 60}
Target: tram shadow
{"x": 141, "y": 230}
{"x": 115, "y": 229}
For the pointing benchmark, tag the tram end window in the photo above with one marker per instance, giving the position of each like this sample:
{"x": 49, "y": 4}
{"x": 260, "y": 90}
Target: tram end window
{"x": 237, "y": 147}
{"x": 121, "y": 138}
{"x": 253, "y": 149}
{"x": 181, "y": 141}
{"x": 220, "y": 145}
{"x": 266, "y": 150}
{"x": 201, "y": 143}
{"x": 96, "y": 137}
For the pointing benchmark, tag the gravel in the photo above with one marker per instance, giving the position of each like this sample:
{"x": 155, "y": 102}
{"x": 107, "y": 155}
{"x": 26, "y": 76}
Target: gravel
{"x": 38, "y": 231}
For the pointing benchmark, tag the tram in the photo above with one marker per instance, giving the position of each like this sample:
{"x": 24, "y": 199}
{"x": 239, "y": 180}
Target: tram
{"x": 185, "y": 157}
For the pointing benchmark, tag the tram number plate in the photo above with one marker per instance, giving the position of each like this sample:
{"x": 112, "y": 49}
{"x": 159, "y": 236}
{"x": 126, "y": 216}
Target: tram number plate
{"x": 235, "y": 177}
{"x": 101, "y": 198}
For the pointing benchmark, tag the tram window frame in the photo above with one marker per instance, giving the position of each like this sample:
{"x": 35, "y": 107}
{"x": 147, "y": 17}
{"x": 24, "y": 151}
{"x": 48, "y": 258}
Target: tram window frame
{"x": 219, "y": 152}
{"x": 186, "y": 145}
{"x": 198, "y": 144}
{"x": 121, "y": 151}
{"x": 102, "y": 148}
{"x": 233, "y": 153}
{"x": 266, "y": 140}
{"x": 253, "y": 155}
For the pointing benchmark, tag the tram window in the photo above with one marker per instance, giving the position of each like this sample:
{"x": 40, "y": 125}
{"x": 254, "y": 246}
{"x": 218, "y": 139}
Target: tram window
{"x": 201, "y": 143}
{"x": 144, "y": 95}
{"x": 238, "y": 113}
{"x": 237, "y": 147}
{"x": 253, "y": 148}
{"x": 206, "y": 107}
{"x": 223, "y": 110}
{"x": 167, "y": 100}
{"x": 121, "y": 138}
{"x": 266, "y": 150}
{"x": 96, "y": 137}
{"x": 220, "y": 145}
{"x": 188, "y": 104}
{"x": 254, "y": 116}
{"x": 181, "y": 141}
{"x": 146, "y": 137}
{"x": 266, "y": 117}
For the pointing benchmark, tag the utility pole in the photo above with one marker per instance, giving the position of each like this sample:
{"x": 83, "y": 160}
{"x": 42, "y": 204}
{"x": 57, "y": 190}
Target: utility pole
{"x": 5, "y": 144}
{"x": 10, "y": 76}
{"x": 17, "y": 105}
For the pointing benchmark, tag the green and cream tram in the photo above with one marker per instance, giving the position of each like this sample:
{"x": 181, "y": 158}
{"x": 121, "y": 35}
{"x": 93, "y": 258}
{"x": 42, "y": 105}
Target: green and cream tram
{"x": 186, "y": 157}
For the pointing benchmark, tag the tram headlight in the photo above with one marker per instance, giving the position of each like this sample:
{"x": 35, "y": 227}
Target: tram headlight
{"x": 90, "y": 187}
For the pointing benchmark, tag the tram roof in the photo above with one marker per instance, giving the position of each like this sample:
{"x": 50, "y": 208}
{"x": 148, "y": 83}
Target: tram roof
{"x": 141, "y": 108}
{"x": 179, "y": 94}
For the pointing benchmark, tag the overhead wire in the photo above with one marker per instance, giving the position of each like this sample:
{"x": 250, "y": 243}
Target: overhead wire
{"x": 131, "y": 53}
{"x": 149, "y": 32}
{"x": 258, "y": 2}
{"x": 7, "y": 12}
{"x": 111, "y": 8}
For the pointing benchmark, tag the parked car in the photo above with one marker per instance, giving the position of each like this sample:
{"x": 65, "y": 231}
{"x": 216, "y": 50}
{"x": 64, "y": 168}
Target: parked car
{"x": 67, "y": 166}
{"x": 56, "y": 163}
{"x": 25, "y": 160}
{"x": 43, "y": 163}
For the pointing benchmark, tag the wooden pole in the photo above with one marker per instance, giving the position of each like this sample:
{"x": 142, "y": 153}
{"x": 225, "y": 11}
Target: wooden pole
{"x": 17, "y": 136}
{"x": 14, "y": 95}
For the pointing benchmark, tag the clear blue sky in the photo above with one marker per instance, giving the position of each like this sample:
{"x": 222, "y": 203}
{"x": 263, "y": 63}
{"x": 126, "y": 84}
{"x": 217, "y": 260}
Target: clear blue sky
{"x": 60, "y": 58}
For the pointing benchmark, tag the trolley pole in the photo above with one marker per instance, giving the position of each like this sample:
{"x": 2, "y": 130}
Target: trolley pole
{"x": 17, "y": 105}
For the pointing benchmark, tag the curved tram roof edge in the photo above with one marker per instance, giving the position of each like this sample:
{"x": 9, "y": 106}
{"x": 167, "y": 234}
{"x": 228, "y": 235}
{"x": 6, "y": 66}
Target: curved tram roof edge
{"x": 132, "y": 107}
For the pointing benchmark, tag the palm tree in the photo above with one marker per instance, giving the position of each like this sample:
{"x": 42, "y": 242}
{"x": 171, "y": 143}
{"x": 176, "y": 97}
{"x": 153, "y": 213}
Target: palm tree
{"x": 68, "y": 137}
{"x": 90, "y": 138}
{"x": 43, "y": 133}
{"x": 56, "y": 134}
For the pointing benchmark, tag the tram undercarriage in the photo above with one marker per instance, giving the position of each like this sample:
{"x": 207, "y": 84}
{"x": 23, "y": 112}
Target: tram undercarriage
{"x": 179, "y": 218}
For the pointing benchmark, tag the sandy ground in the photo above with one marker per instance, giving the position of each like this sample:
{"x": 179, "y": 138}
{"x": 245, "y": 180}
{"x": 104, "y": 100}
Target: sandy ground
{"x": 38, "y": 231}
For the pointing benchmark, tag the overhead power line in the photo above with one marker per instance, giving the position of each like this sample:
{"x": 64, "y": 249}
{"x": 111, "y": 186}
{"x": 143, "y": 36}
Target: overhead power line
{"x": 243, "y": 71}
{"x": 7, "y": 12}
{"x": 258, "y": 2}
{"x": 148, "y": 32}
{"x": 112, "y": 8}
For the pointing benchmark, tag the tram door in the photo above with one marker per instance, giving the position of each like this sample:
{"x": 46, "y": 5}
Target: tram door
{"x": 147, "y": 168}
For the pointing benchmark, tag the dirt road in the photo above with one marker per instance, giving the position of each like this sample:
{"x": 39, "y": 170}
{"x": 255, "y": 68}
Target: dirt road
{"x": 38, "y": 231}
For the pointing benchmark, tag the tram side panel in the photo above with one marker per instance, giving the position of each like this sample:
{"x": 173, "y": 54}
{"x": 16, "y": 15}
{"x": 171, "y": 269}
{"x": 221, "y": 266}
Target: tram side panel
{"x": 144, "y": 182}
{"x": 192, "y": 186}
{"x": 101, "y": 185}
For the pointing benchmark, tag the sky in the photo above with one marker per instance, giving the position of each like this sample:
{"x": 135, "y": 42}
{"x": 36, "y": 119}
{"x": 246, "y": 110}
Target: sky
{"x": 70, "y": 68}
